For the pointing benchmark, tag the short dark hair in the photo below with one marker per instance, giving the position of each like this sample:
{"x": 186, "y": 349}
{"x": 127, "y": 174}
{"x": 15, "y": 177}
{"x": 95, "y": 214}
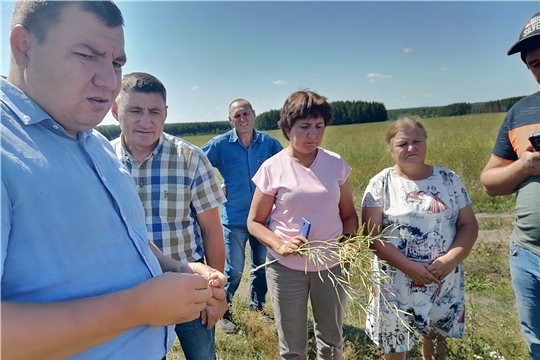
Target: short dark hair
{"x": 142, "y": 82}
{"x": 38, "y": 16}
{"x": 301, "y": 105}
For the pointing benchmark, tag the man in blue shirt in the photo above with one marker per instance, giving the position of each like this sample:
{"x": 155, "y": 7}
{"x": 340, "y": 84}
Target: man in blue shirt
{"x": 237, "y": 155}
{"x": 78, "y": 276}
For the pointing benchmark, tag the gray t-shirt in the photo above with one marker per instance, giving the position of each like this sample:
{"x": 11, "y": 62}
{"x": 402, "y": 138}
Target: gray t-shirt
{"x": 522, "y": 120}
{"x": 527, "y": 226}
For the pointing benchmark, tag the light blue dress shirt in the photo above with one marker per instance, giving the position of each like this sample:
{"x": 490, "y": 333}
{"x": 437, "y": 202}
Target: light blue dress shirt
{"x": 237, "y": 165}
{"x": 72, "y": 223}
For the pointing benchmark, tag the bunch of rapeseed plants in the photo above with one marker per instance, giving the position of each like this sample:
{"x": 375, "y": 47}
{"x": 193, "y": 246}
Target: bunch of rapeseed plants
{"x": 353, "y": 254}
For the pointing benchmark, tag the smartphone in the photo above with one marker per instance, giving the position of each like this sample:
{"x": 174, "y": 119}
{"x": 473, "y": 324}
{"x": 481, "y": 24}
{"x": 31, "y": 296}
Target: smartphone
{"x": 535, "y": 141}
{"x": 305, "y": 226}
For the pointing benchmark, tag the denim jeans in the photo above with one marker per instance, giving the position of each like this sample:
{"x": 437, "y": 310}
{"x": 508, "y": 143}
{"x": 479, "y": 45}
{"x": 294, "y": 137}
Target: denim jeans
{"x": 525, "y": 271}
{"x": 236, "y": 238}
{"x": 196, "y": 341}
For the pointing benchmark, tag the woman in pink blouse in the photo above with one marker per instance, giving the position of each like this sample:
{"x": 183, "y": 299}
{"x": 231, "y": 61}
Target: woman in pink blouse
{"x": 304, "y": 181}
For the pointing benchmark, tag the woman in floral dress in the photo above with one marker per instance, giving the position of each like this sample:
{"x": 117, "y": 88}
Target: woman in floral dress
{"x": 429, "y": 229}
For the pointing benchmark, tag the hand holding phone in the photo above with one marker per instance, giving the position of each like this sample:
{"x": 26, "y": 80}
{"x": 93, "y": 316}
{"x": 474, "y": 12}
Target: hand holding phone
{"x": 535, "y": 141}
{"x": 305, "y": 226}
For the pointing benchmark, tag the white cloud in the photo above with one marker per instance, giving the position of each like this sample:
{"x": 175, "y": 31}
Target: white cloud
{"x": 279, "y": 82}
{"x": 407, "y": 50}
{"x": 216, "y": 109}
{"x": 195, "y": 87}
{"x": 444, "y": 69}
{"x": 374, "y": 77}
{"x": 266, "y": 102}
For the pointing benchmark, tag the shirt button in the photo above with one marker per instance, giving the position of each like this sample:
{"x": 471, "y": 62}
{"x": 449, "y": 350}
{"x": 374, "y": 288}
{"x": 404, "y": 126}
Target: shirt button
{"x": 104, "y": 179}
{"x": 123, "y": 217}
{"x": 56, "y": 127}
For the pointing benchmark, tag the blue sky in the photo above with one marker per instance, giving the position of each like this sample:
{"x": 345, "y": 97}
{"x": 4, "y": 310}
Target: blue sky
{"x": 403, "y": 54}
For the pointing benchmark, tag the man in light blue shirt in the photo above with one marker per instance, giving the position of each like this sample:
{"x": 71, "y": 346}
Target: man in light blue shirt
{"x": 237, "y": 155}
{"x": 78, "y": 276}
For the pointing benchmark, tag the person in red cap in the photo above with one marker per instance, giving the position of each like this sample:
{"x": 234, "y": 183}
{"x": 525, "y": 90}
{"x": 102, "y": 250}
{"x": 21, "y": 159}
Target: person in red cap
{"x": 514, "y": 167}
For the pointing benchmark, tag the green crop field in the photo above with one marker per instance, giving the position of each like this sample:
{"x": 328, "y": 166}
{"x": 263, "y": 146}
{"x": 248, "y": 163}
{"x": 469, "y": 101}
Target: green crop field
{"x": 462, "y": 144}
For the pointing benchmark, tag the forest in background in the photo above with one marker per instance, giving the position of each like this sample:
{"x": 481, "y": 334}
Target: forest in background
{"x": 344, "y": 113}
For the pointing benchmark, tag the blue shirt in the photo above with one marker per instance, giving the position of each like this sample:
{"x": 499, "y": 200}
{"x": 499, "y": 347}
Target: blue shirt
{"x": 72, "y": 223}
{"x": 237, "y": 165}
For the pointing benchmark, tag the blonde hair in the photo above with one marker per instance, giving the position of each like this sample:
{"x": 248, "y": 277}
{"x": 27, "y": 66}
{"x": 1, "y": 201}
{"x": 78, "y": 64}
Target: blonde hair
{"x": 405, "y": 122}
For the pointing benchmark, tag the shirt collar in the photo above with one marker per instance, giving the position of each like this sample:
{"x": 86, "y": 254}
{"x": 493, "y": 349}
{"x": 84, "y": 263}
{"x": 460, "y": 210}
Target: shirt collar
{"x": 234, "y": 136}
{"x": 29, "y": 111}
{"x": 126, "y": 153}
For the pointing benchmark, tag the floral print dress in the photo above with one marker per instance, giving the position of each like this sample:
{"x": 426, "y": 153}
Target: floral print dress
{"x": 419, "y": 219}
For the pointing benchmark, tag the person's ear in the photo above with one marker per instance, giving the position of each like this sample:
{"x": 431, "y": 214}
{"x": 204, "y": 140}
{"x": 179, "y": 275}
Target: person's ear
{"x": 254, "y": 113}
{"x": 114, "y": 110}
{"x": 20, "y": 41}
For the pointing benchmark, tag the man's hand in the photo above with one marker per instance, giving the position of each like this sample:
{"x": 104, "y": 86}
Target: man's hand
{"x": 532, "y": 158}
{"x": 503, "y": 177}
{"x": 171, "y": 298}
{"x": 214, "y": 311}
{"x": 215, "y": 278}
{"x": 217, "y": 304}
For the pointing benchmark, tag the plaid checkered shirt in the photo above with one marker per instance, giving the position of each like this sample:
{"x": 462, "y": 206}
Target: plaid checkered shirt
{"x": 175, "y": 183}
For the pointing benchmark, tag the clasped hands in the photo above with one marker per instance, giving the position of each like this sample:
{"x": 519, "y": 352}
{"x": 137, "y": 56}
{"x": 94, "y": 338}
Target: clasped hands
{"x": 432, "y": 273}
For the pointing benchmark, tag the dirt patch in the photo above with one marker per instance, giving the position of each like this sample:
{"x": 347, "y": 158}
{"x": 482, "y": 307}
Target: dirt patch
{"x": 496, "y": 235}
{"x": 483, "y": 300}
{"x": 490, "y": 216}
{"x": 498, "y": 227}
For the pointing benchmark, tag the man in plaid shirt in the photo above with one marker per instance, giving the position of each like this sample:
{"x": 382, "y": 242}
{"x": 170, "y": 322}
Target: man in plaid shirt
{"x": 178, "y": 190}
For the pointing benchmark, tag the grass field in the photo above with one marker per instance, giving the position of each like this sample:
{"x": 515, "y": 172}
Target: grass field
{"x": 462, "y": 144}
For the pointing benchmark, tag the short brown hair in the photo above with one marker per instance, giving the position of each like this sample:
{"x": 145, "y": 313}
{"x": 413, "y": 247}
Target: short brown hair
{"x": 405, "y": 122}
{"x": 37, "y": 16}
{"x": 301, "y": 105}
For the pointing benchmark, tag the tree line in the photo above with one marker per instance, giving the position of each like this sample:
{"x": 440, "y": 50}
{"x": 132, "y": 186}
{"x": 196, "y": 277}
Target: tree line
{"x": 502, "y": 105}
{"x": 176, "y": 129}
{"x": 344, "y": 113}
